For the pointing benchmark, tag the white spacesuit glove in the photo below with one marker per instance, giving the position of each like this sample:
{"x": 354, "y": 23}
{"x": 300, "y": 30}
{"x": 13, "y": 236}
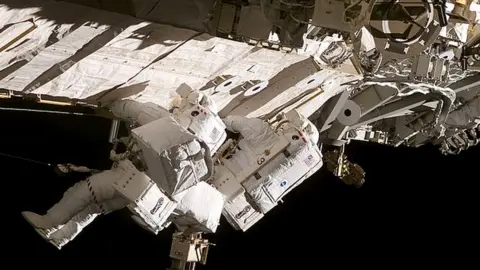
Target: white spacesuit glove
{"x": 256, "y": 131}
{"x": 118, "y": 157}
{"x": 194, "y": 98}
{"x": 67, "y": 168}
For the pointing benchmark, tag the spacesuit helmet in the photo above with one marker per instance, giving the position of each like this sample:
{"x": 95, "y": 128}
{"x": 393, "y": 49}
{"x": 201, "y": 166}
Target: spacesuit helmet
{"x": 301, "y": 123}
{"x": 312, "y": 132}
{"x": 190, "y": 97}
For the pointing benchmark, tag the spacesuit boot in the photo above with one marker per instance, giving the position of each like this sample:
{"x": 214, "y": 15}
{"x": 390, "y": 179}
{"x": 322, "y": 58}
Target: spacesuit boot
{"x": 55, "y": 217}
{"x": 37, "y": 220}
{"x": 73, "y": 201}
{"x": 42, "y": 224}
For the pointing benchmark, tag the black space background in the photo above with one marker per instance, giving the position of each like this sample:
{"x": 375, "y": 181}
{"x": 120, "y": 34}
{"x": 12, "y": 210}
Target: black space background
{"x": 417, "y": 209}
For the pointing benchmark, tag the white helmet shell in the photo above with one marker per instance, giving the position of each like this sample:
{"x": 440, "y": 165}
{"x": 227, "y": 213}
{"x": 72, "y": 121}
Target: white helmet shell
{"x": 303, "y": 124}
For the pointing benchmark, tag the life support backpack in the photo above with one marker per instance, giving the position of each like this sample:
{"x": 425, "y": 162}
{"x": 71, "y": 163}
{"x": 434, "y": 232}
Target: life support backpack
{"x": 175, "y": 159}
{"x": 253, "y": 190}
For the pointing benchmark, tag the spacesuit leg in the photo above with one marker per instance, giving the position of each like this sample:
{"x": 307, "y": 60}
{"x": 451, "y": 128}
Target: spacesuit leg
{"x": 95, "y": 190}
{"x": 67, "y": 233}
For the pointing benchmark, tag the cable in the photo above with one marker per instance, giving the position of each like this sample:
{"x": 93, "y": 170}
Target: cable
{"x": 297, "y": 5}
{"x": 38, "y": 111}
{"x": 26, "y": 159}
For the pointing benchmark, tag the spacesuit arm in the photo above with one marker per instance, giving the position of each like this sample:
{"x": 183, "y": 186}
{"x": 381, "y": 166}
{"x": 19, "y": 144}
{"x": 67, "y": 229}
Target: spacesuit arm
{"x": 233, "y": 123}
{"x": 254, "y": 130}
{"x": 244, "y": 125}
{"x": 137, "y": 112}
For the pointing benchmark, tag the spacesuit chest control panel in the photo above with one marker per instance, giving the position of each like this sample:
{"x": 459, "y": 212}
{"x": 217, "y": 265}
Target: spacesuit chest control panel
{"x": 203, "y": 123}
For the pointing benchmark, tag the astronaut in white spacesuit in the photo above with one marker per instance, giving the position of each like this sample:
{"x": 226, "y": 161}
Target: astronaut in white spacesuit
{"x": 97, "y": 195}
{"x": 264, "y": 165}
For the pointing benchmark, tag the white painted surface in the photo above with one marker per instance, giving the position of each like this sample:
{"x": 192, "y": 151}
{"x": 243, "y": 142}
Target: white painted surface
{"x": 137, "y": 52}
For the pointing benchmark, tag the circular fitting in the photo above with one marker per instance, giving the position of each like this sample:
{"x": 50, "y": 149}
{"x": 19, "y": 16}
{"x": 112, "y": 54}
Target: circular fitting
{"x": 311, "y": 81}
{"x": 194, "y": 113}
{"x": 253, "y": 88}
{"x": 350, "y": 113}
{"x": 403, "y": 28}
{"x": 225, "y": 83}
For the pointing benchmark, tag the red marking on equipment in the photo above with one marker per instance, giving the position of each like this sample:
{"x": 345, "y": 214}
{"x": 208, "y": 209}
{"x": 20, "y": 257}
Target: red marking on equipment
{"x": 301, "y": 135}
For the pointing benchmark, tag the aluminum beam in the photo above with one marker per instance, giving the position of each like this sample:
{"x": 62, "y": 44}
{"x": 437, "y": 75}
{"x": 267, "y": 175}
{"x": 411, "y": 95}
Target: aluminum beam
{"x": 392, "y": 109}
